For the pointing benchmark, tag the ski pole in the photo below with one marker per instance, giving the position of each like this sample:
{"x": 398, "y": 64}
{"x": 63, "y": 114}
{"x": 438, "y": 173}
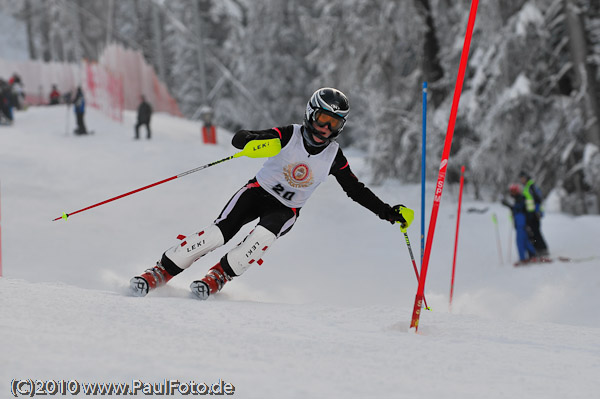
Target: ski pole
{"x": 495, "y": 220}
{"x": 509, "y": 245}
{"x": 412, "y": 258}
{"x": 254, "y": 149}
{"x": 462, "y": 180}
{"x": 67, "y": 121}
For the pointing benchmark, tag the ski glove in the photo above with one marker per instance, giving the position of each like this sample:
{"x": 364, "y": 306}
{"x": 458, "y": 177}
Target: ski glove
{"x": 400, "y": 214}
{"x": 243, "y": 137}
{"x": 406, "y": 213}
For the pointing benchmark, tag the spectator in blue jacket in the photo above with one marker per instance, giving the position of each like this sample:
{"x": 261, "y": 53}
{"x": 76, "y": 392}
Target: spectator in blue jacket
{"x": 534, "y": 212}
{"x": 526, "y": 249}
{"x": 79, "y": 107}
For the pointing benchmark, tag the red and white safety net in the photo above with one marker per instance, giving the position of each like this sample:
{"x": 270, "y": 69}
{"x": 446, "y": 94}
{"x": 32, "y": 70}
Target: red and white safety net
{"x": 112, "y": 85}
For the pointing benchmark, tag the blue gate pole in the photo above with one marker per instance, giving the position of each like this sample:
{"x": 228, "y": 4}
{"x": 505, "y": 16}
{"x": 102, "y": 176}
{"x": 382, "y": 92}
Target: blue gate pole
{"x": 423, "y": 150}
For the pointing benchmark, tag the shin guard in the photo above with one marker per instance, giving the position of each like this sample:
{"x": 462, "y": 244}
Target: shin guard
{"x": 249, "y": 251}
{"x": 195, "y": 246}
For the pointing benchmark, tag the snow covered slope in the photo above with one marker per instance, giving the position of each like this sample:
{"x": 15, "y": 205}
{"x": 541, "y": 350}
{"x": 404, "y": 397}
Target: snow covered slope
{"x": 326, "y": 315}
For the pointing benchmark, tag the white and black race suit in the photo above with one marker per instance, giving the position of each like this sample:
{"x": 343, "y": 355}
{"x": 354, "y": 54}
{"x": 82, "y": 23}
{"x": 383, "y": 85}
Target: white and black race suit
{"x": 293, "y": 175}
{"x": 286, "y": 181}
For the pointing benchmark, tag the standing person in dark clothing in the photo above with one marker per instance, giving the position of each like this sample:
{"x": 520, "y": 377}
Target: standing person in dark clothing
{"x": 79, "y": 108}
{"x": 143, "y": 117}
{"x": 534, "y": 212}
{"x": 6, "y": 104}
{"x": 18, "y": 92}
{"x": 526, "y": 250}
{"x": 275, "y": 196}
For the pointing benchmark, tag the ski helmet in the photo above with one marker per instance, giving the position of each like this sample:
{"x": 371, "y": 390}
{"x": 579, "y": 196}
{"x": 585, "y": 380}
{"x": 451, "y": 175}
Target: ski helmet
{"x": 326, "y": 107}
{"x": 524, "y": 175}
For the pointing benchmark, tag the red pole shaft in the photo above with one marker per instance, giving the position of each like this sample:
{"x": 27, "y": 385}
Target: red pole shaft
{"x": 417, "y": 274}
{"x": 117, "y": 197}
{"x": 412, "y": 257}
{"x": 146, "y": 187}
{"x": 439, "y": 187}
{"x": 462, "y": 179}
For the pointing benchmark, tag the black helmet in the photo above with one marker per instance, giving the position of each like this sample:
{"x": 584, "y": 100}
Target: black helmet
{"x": 327, "y": 106}
{"x": 524, "y": 175}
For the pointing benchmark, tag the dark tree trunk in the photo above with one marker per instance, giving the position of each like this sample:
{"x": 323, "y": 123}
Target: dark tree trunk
{"x": 585, "y": 80}
{"x": 431, "y": 62}
{"x": 431, "y": 66}
{"x": 30, "y": 34}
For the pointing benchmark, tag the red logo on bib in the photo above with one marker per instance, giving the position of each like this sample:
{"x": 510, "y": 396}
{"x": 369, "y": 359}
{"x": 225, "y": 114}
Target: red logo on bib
{"x": 300, "y": 172}
{"x": 298, "y": 175}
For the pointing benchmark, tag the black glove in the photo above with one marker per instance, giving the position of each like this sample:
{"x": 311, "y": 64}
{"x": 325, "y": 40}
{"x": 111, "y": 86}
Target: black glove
{"x": 392, "y": 214}
{"x": 243, "y": 137}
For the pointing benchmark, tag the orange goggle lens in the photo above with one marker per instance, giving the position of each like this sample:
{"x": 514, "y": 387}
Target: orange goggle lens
{"x": 323, "y": 119}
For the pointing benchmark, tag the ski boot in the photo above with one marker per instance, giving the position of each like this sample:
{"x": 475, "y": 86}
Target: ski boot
{"x": 214, "y": 280}
{"x": 151, "y": 279}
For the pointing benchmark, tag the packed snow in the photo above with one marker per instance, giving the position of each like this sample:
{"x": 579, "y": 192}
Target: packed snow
{"x": 326, "y": 316}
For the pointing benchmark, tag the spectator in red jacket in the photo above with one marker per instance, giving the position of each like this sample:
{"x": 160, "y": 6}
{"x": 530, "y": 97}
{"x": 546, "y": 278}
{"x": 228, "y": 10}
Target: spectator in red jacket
{"x": 54, "y": 96}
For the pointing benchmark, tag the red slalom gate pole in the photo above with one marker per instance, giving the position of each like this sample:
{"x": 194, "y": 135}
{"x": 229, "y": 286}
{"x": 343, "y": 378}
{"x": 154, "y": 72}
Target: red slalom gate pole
{"x": 462, "y": 179}
{"x": 439, "y": 187}
{"x": 0, "y": 231}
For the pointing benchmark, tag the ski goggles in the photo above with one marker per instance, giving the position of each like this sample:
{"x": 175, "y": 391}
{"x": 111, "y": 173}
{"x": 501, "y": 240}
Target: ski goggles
{"x": 325, "y": 118}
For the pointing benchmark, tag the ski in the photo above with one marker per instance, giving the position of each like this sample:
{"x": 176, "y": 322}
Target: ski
{"x": 563, "y": 259}
{"x": 533, "y": 261}
{"x": 200, "y": 290}
{"x": 138, "y": 286}
{"x": 568, "y": 259}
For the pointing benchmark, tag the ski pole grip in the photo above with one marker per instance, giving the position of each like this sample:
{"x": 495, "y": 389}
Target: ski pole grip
{"x": 408, "y": 215}
{"x": 264, "y": 148}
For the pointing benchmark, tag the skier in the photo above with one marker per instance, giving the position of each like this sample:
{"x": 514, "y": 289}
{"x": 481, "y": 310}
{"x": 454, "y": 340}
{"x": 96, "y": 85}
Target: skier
{"x": 79, "y": 108}
{"x": 535, "y": 212}
{"x": 144, "y": 114}
{"x": 525, "y": 248}
{"x": 275, "y": 196}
